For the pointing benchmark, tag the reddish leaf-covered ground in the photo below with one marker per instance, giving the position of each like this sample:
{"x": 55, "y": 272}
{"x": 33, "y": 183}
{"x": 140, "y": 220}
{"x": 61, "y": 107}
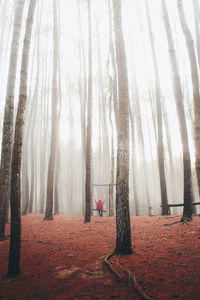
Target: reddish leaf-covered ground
{"x": 64, "y": 259}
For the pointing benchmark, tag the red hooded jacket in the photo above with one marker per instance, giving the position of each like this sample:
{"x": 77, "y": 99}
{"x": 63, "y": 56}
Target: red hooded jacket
{"x": 99, "y": 204}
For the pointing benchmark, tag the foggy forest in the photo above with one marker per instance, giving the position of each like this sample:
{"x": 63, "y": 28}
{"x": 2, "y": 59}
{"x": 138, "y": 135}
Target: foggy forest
{"x": 100, "y": 149}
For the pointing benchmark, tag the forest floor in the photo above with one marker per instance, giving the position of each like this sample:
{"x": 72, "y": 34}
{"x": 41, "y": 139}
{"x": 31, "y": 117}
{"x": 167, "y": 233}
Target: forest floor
{"x": 64, "y": 259}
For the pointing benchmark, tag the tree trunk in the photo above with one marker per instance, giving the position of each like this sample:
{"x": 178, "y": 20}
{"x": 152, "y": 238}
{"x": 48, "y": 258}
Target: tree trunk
{"x": 142, "y": 148}
{"x": 53, "y": 146}
{"x": 112, "y": 168}
{"x": 83, "y": 101}
{"x": 113, "y": 60}
{"x": 15, "y": 238}
{"x": 160, "y": 147}
{"x": 89, "y": 124}
{"x": 135, "y": 192}
{"x": 195, "y": 85}
{"x": 176, "y": 83}
{"x": 123, "y": 241}
{"x": 7, "y": 139}
{"x": 196, "y": 7}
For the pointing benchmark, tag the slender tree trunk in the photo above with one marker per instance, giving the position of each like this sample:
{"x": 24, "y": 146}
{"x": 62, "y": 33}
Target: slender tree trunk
{"x": 123, "y": 241}
{"x": 195, "y": 85}
{"x": 113, "y": 60}
{"x": 7, "y": 139}
{"x": 56, "y": 193}
{"x": 160, "y": 147}
{"x": 44, "y": 136}
{"x": 112, "y": 169}
{"x": 176, "y": 82}
{"x": 83, "y": 101}
{"x": 171, "y": 161}
{"x": 135, "y": 192}
{"x": 25, "y": 184}
{"x": 89, "y": 124}
{"x": 53, "y": 146}
{"x": 15, "y": 239}
{"x": 196, "y": 7}
{"x": 142, "y": 148}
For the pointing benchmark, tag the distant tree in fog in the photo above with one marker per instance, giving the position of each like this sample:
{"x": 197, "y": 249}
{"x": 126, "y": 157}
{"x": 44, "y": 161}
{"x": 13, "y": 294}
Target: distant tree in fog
{"x": 159, "y": 115}
{"x": 54, "y": 121}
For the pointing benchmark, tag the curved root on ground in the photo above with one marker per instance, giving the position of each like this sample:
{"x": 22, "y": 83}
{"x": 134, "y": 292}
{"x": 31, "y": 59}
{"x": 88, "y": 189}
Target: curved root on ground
{"x": 184, "y": 220}
{"x": 131, "y": 278}
{"x": 177, "y": 222}
{"x": 110, "y": 265}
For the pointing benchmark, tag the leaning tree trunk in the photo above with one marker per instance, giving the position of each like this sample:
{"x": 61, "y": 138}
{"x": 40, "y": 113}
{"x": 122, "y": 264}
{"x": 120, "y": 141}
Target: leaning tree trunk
{"x": 15, "y": 238}
{"x": 160, "y": 147}
{"x": 7, "y": 139}
{"x": 196, "y": 8}
{"x": 123, "y": 241}
{"x": 89, "y": 125}
{"x": 53, "y": 146}
{"x": 176, "y": 83}
{"x": 195, "y": 85}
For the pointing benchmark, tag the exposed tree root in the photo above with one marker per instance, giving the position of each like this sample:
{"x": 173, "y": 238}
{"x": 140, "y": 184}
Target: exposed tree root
{"x": 184, "y": 220}
{"x": 131, "y": 278}
{"x": 171, "y": 223}
{"x": 100, "y": 222}
{"x": 172, "y": 263}
{"x": 110, "y": 265}
{"x": 4, "y": 238}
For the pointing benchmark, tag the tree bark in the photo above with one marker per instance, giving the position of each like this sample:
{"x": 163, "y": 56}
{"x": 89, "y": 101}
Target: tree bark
{"x": 15, "y": 238}
{"x": 176, "y": 83}
{"x": 135, "y": 192}
{"x": 196, "y": 7}
{"x": 123, "y": 241}
{"x": 89, "y": 124}
{"x": 195, "y": 85}
{"x": 51, "y": 167}
{"x": 160, "y": 147}
{"x": 7, "y": 139}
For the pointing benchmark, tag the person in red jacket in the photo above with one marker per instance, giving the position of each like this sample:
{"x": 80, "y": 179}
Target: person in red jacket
{"x": 99, "y": 206}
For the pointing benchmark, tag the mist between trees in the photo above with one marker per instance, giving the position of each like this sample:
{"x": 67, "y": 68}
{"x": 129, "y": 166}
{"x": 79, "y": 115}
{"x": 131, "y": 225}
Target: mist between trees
{"x": 73, "y": 84}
